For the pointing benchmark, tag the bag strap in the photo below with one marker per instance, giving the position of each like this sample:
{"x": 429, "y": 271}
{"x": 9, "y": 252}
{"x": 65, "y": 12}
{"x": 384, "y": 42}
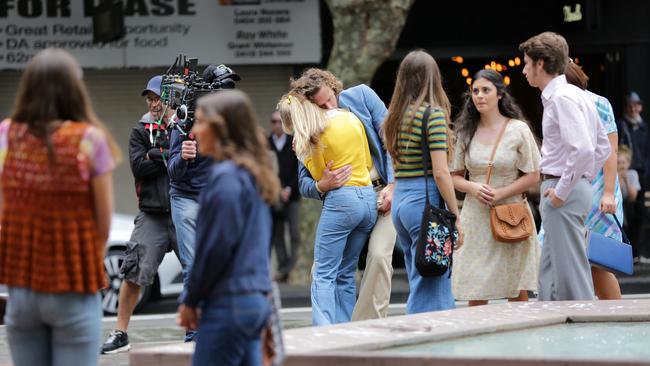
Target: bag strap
{"x": 494, "y": 151}
{"x": 424, "y": 145}
{"x": 426, "y": 157}
{"x": 625, "y": 238}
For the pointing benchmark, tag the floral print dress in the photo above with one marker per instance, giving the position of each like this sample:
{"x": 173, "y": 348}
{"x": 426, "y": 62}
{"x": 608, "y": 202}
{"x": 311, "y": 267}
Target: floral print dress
{"x": 485, "y": 269}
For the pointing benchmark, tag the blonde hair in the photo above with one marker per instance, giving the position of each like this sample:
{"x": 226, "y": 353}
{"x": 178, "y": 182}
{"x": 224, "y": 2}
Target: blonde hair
{"x": 625, "y": 150}
{"x": 304, "y": 120}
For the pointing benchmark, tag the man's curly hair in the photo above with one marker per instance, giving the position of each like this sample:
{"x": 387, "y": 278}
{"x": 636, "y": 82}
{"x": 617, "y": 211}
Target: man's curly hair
{"x": 312, "y": 80}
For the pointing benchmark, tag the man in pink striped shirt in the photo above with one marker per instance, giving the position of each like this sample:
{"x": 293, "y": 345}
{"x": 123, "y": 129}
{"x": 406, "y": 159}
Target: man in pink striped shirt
{"x": 574, "y": 149}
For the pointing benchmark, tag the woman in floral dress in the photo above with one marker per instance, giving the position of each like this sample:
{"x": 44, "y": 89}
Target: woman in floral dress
{"x": 485, "y": 269}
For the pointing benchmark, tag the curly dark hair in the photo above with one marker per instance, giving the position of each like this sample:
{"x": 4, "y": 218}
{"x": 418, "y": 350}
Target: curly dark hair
{"x": 469, "y": 118}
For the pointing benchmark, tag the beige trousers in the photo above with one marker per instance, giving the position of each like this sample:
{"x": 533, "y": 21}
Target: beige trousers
{"x": 374, "y": 292}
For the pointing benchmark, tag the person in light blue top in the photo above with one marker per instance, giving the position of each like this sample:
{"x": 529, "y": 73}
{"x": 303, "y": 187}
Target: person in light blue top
{"x": 607, "y": 198}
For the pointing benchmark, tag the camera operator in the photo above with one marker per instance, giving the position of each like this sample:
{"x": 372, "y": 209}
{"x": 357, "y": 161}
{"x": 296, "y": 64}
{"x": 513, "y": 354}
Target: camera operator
{"x": 188, "y": 172}
{"x": 154, "y": 233}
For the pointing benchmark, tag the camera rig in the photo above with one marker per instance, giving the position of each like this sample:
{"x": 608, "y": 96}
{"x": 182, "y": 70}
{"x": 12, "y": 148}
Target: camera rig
{"x": 182, "y": 86}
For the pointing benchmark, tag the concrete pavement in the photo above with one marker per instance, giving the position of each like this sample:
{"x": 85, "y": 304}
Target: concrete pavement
{"x": 156, "y": 324}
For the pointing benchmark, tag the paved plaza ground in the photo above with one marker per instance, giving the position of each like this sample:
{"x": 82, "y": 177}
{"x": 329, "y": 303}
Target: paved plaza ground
{"x": 156, "y": 324}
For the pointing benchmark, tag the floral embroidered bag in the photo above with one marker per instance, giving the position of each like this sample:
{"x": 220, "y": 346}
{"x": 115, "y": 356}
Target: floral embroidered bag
{"x": 434, "y": 249}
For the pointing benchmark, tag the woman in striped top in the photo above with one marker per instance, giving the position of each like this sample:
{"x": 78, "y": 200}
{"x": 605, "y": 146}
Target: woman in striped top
{"x": 419, "y": 86}
{"x": 349, "y": 213}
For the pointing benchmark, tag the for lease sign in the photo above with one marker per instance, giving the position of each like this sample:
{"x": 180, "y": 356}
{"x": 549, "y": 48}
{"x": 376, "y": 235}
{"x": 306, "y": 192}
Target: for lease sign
{"x": 223, "y": 31}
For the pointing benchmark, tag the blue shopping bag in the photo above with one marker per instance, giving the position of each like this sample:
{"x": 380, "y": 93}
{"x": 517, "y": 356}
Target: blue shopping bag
{"x": 611, "y": 254}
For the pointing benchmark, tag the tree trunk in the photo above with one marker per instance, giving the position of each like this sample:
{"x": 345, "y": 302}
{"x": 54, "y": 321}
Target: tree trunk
{"x": 365, "y": 34}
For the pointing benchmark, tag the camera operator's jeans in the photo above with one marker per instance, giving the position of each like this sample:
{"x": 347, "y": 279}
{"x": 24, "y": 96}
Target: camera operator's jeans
{"x": 348, "y": 216}
{"x": 184, "y": 214}
{"x": 231, "y": 326}
{"x": 53, "y": 329}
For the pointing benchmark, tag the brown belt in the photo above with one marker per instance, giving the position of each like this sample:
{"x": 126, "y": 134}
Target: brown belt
{"x": 548, "y": 176}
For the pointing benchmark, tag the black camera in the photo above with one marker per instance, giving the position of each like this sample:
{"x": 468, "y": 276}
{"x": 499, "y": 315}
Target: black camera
{"x": 182, "y": 86}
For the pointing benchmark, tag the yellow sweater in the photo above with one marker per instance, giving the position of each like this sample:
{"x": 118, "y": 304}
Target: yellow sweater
{"x": 344, "y": 142}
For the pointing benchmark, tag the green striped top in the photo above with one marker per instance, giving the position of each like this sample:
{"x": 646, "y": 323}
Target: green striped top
{"x": 409, "y": 149}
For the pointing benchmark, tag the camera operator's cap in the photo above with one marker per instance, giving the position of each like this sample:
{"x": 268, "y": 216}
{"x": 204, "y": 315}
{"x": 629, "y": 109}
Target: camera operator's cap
{"x": 633, "y": 97}
{"x": 153, "y": 85}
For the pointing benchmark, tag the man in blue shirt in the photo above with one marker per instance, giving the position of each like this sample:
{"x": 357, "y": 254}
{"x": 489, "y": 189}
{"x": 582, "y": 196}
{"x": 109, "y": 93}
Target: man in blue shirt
{"x": 324, "y": 89}
{"x": 188, "y": 173}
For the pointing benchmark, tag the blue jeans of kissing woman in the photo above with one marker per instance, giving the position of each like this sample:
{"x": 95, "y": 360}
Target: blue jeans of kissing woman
{"x": 348, "y": 215}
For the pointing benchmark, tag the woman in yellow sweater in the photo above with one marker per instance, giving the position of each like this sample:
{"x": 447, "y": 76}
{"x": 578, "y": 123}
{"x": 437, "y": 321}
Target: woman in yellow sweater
{"x": 349, "y": 212}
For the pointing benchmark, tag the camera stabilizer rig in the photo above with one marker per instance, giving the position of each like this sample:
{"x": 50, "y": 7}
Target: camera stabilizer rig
{"x": 182, "y": 87}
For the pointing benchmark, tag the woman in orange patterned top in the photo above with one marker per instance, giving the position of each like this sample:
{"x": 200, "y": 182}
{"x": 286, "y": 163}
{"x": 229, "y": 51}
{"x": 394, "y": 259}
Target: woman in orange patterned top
{"x": 56, "y": 163}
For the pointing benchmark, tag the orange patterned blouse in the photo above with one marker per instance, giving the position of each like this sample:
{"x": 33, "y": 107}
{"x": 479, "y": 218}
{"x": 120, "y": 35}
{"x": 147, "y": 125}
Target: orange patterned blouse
{"x": 48, "y": 237}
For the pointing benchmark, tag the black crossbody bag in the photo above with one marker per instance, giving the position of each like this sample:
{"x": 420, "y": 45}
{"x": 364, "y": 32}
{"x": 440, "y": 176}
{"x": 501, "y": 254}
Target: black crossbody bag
{"x": 438, "y": 234}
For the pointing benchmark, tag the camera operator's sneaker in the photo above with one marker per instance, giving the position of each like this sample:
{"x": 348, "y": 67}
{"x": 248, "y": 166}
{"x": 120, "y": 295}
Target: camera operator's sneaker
{"x": 117, "y": 342}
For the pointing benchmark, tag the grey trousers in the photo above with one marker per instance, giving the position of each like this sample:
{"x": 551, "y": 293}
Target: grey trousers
{"x": 565, "y": 273}
{"x": 375, "y": 288}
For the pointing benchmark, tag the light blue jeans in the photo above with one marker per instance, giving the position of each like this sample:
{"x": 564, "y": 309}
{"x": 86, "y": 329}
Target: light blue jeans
{"x": 425, "y": 293}
{"x": 184, "y": 214}
{"x": 53, "y": 329}
{"x": 348, "y": 216}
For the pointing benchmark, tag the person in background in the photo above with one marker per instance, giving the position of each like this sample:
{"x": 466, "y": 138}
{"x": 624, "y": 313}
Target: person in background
{"x": 635, "y": 134}
{"x": 56, "y": 162}
{"x": 607, "y": 198}
{"x": 287, "y": 210}
{"x": 628, "y": 178}
{"x": 630, "y": 188}
{"x": 322, "y": 88}
{"x": 230, "y": 279}
{"x": 574, "y": 149}
{"x": 188, "y": 173}
{"x": 506, "y": 270}
{"x": 418, "y": 86}
{"x": 154, "y": 233}
{"x": 349, "y": 212}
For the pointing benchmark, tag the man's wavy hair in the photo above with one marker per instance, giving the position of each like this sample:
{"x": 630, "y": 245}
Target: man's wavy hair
{"x": 550, "y": 47}
{"x": 312, "y": 80}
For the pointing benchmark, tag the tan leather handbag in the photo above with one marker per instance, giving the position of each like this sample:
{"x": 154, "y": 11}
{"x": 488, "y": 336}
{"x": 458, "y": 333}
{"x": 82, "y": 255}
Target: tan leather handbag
{"x": 511, "y": 222}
